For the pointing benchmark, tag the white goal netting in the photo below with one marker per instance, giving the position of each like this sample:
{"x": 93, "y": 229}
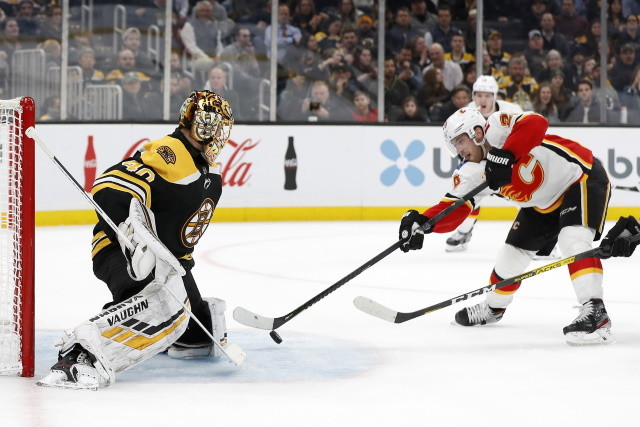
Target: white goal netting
{"x": 10, "y": 237}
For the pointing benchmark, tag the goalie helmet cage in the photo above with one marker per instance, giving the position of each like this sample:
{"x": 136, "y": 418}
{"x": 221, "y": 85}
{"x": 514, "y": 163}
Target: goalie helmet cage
{"x": 17, "y": 221}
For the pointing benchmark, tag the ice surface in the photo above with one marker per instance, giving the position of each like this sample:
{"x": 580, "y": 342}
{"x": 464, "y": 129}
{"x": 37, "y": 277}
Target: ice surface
{"x": 338, "y": 366}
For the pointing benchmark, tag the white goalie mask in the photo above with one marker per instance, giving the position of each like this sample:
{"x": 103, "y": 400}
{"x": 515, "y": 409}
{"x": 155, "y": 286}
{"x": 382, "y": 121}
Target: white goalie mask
{"x": 463, "y": 121}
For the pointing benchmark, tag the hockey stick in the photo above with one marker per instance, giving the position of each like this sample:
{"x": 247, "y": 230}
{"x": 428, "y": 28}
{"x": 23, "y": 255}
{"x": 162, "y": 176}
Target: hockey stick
{"x": 378, "y": 310}
{"x": 254, "y": 320}
{"x": 622, "y": 187}
{"x": 232, "y": 351}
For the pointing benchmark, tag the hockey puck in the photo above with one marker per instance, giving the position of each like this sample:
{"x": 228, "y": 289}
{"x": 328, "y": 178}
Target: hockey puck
{"x": 274, "y": 335}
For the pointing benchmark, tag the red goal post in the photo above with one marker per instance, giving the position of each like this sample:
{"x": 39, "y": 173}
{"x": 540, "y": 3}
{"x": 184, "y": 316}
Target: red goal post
{"x": 17, "y": 229}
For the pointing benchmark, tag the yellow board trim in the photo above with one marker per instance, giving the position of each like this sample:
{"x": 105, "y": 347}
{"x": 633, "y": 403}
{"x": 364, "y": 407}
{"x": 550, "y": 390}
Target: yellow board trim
{"x": 347, "y": 213}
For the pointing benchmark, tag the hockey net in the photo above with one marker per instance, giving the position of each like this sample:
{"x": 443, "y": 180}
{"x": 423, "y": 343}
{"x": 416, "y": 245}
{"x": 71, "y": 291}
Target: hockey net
{"x": 17, "y": 212}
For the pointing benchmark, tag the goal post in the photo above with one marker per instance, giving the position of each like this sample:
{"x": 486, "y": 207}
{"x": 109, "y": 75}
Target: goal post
{"x": 17, "y": 229}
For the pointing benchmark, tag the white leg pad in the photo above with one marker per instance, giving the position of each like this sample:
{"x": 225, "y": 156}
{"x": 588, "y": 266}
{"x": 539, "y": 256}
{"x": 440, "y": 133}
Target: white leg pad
{"x": 511, "y": 261}
{"x": 574, "y": 240}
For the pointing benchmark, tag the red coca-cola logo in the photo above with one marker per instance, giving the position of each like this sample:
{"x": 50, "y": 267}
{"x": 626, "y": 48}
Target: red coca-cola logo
{"x": 235, "y": 172}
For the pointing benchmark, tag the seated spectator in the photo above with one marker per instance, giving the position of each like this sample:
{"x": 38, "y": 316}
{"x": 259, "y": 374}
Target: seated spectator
{"x": 532, "y": 14}
{"x": 609, "y": 95}
{"x": 126, "y": 62}
{"x": 460, "y": 97}
{"x": 186, "y": 84}
{"x": 535, "y": 54}
{"x": 419, "y": 53}
{"x": 487, "y": 67}
{"x": 588, "y": 108}
{"x": 291, "y": 99}
{"x": 569, "y": 23}
{"x": 407, "y": 71}
{"x": 395, "y": 90}
{"x": 199, "y": 36}
{"x": 363, "y": 111}
{"x": 451, "y": 71}
{"x": 561, "y": 94}
{"x": 343, "y": 84}
{"x": 552, "y": 38}
{"x": 364, "y": 70}
{"x": 28, "y": 22}
{"x": 331, "y": 37}
{"x": 51, "y": 27}
{"x": 470, "y": 31}
{"x": 366, "y": 32}
{"x": 51, "y": 109}
{"x": 433, "y": 95}
{"x": 575, "y": 70}
{"x": 544, "y": 104}
{"x": 133, "y": 108}
{"x": 87, "y": 62}
{"x": 154, "y": 100}
{"x": 622, "y": 70}
{"x": 401, "y": 32}
{"x": 307, "y": 59}
{"x": 615, "y": 20}
{"x": 592, "y": 40}
{"x": 217, "y": 83}
{"x": 499, "y": 58}
{"x": 52, "y": 53}
{"x": 458, "y": 54}
{"x": 629, "y": 35}
{"x": 443, "y": 31}
{"x": 322, "y": 106}
{"x": 288, "y": 35}
{"x": 552, "y": 63}
{"x": 131, "y": 40}
{"x": 421, "y": 19}
{"x": 469, "y": 76}
{"x": 630, "y": 96}
{"x": 411, "y": 112}
{"x": 517, "y": 87}
{"x": 306, "y": 18}
{"x": 348, "y": 13}
{"x": 9, "y": 43}
{"x": 348, "y": 44}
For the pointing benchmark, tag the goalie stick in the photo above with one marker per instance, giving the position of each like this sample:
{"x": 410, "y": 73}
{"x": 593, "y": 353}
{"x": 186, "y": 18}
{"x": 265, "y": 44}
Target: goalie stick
{"x": 376, "y": 309}
{"x": 235, "y": 354}
{"x": 622, "y": 187}
{"x": 254, "y": 320}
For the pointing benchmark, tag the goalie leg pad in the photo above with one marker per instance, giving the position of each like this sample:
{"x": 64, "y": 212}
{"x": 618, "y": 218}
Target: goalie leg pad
{"x": 180, "y": 350}
{"x": 132, "y": 331}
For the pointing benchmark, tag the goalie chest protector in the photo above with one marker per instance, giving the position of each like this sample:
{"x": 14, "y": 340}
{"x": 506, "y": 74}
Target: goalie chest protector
{"x": 170, "y": 177}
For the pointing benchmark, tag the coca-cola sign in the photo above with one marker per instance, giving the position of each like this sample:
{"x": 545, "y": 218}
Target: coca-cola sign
{"x": 236, "y": 171}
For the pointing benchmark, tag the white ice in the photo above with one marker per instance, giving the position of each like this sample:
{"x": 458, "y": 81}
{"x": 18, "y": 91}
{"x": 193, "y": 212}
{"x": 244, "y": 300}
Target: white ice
{"x": 338, "y": 366}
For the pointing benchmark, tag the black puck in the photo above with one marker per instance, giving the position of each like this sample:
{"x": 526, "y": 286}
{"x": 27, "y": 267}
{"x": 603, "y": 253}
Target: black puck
{"x": 274, "y": 335}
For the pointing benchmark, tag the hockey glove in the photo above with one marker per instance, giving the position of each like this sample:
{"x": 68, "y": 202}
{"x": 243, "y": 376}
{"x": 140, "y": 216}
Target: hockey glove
{"x": 140, "y": 261}
{"x": 410, "y": 231}
{"x": 498, "y": 167}
{"x": 615, "y": 243}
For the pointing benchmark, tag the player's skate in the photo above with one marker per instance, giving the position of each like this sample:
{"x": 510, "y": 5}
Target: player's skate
{"x": 458, "y": 241}
{"x": 479, "y": 314}
{"x": 75, "y": 369}
{"x": 592, "y": 326}
{"x": 180, "y": 350}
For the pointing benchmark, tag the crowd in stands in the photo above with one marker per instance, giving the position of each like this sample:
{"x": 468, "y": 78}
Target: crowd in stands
{"x": 544, "y": 54}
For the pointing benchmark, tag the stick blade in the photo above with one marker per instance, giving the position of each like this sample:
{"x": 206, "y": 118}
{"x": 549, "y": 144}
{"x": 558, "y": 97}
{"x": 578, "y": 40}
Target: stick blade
{"x": 235, "y": 354}
{"x": 253, "y": 320}
{"x": 375, "y": 309}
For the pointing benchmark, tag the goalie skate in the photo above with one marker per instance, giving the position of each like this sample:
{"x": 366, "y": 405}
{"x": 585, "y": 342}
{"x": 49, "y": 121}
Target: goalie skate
{"x": 458, "y": 241}
{"x": 591, "y": 327}
{"x": 75, "y": 370}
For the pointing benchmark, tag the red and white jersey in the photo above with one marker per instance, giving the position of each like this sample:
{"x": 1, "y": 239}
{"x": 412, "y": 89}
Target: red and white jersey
{"x": 545, "y": 167}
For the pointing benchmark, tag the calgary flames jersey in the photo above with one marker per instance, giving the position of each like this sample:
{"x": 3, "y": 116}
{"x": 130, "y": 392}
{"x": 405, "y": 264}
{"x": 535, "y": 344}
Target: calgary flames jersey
{"x": 171, "y": 178}
{"x": 546, "y": 166}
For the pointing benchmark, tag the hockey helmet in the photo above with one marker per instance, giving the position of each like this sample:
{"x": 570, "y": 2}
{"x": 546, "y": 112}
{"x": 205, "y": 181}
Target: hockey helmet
{"x": 486, "y": 84}
{"x": 463, "y": 121}
{"x": 209, "y": 119}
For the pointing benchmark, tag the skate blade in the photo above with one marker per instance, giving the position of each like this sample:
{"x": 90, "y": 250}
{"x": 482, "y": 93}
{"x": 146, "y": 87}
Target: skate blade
{"x": 58, "y": 380}
{"x": 599, "y": 337}
{"x": 457, "y": 248}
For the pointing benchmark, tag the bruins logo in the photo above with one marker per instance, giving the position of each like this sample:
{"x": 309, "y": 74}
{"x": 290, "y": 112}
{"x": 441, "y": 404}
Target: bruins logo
{"x": 195, "y": 227}
{"x": 167, "y": 155}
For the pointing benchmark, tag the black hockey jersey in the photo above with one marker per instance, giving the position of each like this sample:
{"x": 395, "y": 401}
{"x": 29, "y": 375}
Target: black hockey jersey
{"x": 171, "y": 178}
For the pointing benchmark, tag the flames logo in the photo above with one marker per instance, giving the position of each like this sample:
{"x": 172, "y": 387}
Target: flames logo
{"x": 526, "y": 178}
{"x": 167, "y": 155}
{"x": 195, "y": 227}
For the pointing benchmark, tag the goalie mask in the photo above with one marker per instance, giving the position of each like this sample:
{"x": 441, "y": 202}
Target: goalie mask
{"x": 209, "y": 119}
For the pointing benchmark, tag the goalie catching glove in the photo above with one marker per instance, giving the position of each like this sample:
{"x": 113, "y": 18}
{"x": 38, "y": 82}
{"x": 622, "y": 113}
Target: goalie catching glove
{"x": 140, "y": 244}
{"x": 616, "y": 242}
{"x": 411, "y": 232}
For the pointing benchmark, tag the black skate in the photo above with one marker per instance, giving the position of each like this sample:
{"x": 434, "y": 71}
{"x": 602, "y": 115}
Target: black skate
{"x": 479, "y": 314}
{"x": 591, "y": 327}
{"x": 458, "y": 241}
{"x": 74, "y": 370}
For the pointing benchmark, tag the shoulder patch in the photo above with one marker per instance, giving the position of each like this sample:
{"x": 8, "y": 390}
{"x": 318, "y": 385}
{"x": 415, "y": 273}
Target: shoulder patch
{"x": 167, "y": 154}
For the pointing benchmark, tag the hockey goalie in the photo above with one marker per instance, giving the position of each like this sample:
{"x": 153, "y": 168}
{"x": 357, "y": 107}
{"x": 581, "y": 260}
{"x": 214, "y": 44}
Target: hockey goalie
{"x": 163, "y": 199}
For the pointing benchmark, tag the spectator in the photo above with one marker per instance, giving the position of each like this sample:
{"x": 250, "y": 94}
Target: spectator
{"x": 421, "y": 19}
{"x": 553, "y": 39}
{"x": 217, "y": 83}
{"x": 292, "y": 97}
{"x": 630, "y": 34}
{"x": 499, "y": 58}
{"x": 367, "y": 34}
{"x": 588, "y": 109}
{"x": 469, "y": 76}
{"x": 186, "y": 84}
{"x": 322, "y": 106}
{"x": 532, "y": 14}
{"x": 51, "y": 108}
{"x": 544, "y": 104}
{"x": 364, "y": 70}
{"x": 451, "y": 71}
{"x": 593, "y": 37}
{"x": 131, "y": 40}
{"x": 575, "y": 70}
{"x": 307, "y": 60}
{"x": 363, "y": 111}
{"x": 288, "y": 35}
{"x": 433, "y": 95}
{"x": 306, "y": 18}
{"x": 419, "y": 53}
{"x": 401, "y": 33}
{"x": 499, "y": 10}
{"x": 52, "y": 53}
{"x": 154, "y": 100}
{"x": 348, "y": 44}
{"x": 460, "y": 97}
{"x": 630, "y": 96}
{"x": 51, "y": 26}
{"x": 458, "y": 54}
{"x": 29, "y": 24}
{"x": 411, "y": 112}
{"x": 615, "y": 19}
{"x": 622, "y": 70}
{"x": 553, "y": 62}
{"x": 630, "y": 7}
{"x": 535, "y": 54}
{"x": 561, "y": 94}
{"x": 487, "y": 66}
{"x": 199, "y": 37}
{"x": 470, "y": 31}
{"x": 517, "y": 87}
{"x": 442, "y": 32}
{"x": 348, "y": 13}
{"x": 570, "y": 24}
{"x": 407, "y": 71}
{"x": 395, "y": 90}
{"x": 126, "y": 62}
{"x": 342, "y": 82}
{"x": 133, "y": 108}
{"x": 330, "y": 38}
{"x": 87, "y": 62}
{"x": 461, "y": 8}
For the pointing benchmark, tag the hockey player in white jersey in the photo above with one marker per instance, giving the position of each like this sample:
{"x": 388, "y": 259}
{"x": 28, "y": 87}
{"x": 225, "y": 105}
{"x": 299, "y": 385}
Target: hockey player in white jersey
{"x": 563, "y": 192}
{"x": 485, "y": 100}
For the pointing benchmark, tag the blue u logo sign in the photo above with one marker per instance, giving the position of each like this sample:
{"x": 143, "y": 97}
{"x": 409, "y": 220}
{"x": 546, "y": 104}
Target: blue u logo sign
{"x": 402, "y": 162}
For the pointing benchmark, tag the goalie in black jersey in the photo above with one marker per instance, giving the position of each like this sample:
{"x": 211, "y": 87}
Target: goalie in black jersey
{"x": 163, "y": 199}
